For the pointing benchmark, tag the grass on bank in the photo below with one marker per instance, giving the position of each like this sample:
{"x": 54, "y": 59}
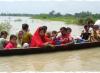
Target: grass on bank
{"x": 67, "y": 19}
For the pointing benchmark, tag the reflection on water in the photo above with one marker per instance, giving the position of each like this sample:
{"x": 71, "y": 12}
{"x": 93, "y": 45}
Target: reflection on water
{"x": 88, "y": 60}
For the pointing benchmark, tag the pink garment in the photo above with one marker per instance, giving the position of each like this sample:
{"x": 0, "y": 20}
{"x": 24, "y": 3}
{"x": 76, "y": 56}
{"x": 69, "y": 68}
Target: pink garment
{"x": 66, "y": 38}
{"x": 10, "y": 46}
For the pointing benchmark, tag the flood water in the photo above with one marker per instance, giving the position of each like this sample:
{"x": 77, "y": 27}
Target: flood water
{"x": 79, "y": 60}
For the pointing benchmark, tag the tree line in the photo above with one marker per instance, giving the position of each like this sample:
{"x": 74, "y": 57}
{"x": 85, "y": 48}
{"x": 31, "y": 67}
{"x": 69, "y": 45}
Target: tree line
{"x": 81, "y": 17}
{"x": 55, "y": 14}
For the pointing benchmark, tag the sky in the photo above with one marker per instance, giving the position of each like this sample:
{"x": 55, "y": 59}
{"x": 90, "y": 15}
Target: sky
{"x": 45, "y": 6}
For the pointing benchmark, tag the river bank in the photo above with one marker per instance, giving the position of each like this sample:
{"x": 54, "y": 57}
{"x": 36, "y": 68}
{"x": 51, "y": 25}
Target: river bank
{"x": 67, "y": 20}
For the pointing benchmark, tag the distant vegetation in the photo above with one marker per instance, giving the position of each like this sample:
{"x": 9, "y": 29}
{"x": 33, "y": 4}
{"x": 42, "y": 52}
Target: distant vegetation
{"x": 77, "y": 18}
{"x": 5, "y": 26}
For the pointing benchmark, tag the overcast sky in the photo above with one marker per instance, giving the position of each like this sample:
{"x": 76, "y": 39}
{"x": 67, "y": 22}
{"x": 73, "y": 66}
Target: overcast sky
{"x": 45, "y": 6}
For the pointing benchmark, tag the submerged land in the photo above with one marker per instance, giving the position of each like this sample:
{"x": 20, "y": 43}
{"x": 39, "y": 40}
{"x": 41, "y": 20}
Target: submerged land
{"x": 81, "y": 18}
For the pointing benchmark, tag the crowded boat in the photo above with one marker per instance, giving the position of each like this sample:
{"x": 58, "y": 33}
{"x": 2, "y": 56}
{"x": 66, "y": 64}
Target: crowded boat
{"x": 42, "y": 37}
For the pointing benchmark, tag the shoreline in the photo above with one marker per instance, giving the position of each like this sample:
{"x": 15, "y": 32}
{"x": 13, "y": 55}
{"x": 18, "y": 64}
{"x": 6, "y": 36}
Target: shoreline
{"x": 70, "y": 21}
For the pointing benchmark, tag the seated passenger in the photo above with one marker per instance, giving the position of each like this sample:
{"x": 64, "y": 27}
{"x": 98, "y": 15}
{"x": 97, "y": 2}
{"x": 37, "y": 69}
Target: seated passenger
{"x": 39, "y": 38}
{"x": 48, "y": 35}
{"x": 54, "y": 38}
{"x": 95, "y": 35}
{"x": 19, "y": 40}
{"x": 86, "y": 33}
{"x": 12, "y": 43}
{"x": 3, "y": 41}
{"x": 49, "y": 38}
{"x": 24, "y": 36}
{"x": 65, "y": 35}
{"x": 69, "y": 36}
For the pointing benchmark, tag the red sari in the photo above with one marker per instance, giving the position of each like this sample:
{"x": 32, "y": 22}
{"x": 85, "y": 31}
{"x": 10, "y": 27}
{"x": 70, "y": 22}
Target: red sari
{"x": 37, "y": 40}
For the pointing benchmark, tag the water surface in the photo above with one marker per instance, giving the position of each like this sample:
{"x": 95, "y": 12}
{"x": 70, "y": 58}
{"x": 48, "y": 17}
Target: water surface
{"x": 79, "y": 60}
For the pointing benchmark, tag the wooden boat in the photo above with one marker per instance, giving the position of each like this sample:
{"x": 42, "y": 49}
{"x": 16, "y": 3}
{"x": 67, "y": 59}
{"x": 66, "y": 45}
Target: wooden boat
{"x": 68, "y": 47}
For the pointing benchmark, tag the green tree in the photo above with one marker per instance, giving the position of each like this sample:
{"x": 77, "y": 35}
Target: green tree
{"x": 58, "y": 14}
{"x": 51, "y": 13}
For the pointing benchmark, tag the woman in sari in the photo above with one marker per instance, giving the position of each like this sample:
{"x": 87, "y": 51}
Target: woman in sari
{"x": 39, "y": 39}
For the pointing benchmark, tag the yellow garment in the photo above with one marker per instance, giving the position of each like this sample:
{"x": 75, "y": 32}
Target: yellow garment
{"x": 26, "y": 37}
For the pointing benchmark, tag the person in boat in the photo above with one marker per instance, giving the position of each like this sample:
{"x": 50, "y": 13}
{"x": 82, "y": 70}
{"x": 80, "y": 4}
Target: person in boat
{"x": 85, "y": 35}
{"x": 69, "y": 35}
{"x": 12, "y": 43}
{"x": 3, "y": 41}
{"x": 24, "y": 36}
{"x": 48, "y": 37}
{"x": 44, "y": 27}
{"x": 19, "y": 40}
{"x": 55, "y": 38}
{"x": 65, "y": 37}
{"x": 95, "y": 35}
{"x": 39, "y": 39}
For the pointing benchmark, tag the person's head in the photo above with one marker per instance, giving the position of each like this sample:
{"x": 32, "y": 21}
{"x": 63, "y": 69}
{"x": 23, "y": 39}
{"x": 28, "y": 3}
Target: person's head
{"x": 54, "y": 33}
{"x": 13, "y": 39}
{"x": 3, "y": 34}
{"x": 63, "y": 30}
{"x": 86, "y": 27}
{"x": 25, "y": 27}
{"x": 42, "y": 31}
{"x": 95, "y": 27}
{"x": 69, "y": 30}
{"x": 48, "y": 34}
{"x": 45, "y": 27}
{"x": 20, "y": 34}
{"x": 91, "y": 25}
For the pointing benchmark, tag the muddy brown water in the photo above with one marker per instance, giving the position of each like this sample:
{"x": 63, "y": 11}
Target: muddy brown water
{"x": 79, "y": 60}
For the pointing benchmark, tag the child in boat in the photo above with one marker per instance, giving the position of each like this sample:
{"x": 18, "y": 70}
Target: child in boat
{"x": 3, "y": 41}
{"x": 62, "y": 38}
{"x": 65, "y": 37}
{"x": 24, "y": 36}
{"x": 12, "y": 43}
{"x": 95, "y": 35}
{"x": 86, "y": 33}
{"x": 39, "y": 39}
{"x": 48, "y": 37}
{"x": 68, "y": 35}
{"x": 54, "y": 38}
{"x": 20, "y": 35}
